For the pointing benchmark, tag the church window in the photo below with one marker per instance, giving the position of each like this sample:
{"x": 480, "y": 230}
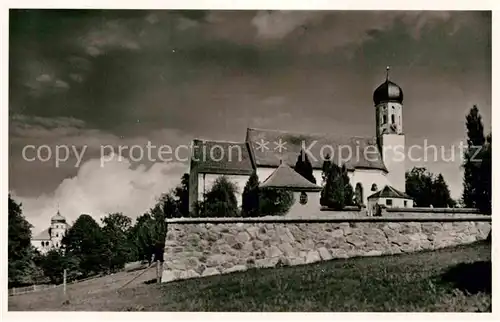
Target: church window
{"x": 406, "y": 203}
{"x": 384, "y": 119}
{"x": 303, "y": 198}
{"x": 57, "y": 234}
{"x": 393, "y": 119}
{"x": 374, "y": 187}
{"x": 388, "y": 202}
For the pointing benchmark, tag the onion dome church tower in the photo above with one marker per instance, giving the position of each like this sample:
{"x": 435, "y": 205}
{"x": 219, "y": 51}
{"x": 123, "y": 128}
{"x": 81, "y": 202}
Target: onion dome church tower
{"x": 58, "y": 228}
{"x": 388, "y": 100}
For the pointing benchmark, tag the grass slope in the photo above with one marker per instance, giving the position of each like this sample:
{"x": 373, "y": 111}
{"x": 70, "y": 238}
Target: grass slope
{"x": 454, "y": 279}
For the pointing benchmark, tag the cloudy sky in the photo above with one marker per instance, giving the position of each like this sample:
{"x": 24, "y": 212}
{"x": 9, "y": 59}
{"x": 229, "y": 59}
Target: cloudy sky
{"x": 85, "y": 79}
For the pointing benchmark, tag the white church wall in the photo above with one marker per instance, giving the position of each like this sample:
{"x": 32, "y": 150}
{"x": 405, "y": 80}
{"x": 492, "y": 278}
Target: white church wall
{"x": 368, "y": 177}
{"x": 206, "y": 181}
{"x": 310, "y": 208}
{"x": 394, "y": 159}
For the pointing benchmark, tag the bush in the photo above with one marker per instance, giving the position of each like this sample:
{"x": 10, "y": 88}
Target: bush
{"x": 275, "y": 202}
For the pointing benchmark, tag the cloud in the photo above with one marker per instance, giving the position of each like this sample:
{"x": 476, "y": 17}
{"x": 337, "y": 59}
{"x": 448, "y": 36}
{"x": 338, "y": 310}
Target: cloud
{"x": 278, "y": 24}
{"x": 113, "y": 34}
{"x": 96, "y": 190}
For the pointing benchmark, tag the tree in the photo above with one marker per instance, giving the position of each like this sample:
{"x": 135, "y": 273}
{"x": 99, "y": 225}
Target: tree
{"x": 275, "y": 202}
{"x": 427, "y": 189}
{"x": 55, "y": 262}
{"x": 304, "y": 167}
{"x": 86, "y": 242}
{"x": 181, "y": 193}
{"x": 221, "y": 200}
{"x": 475, "y": 141}
{"x": 440, "y": 194}
{"x": 483, "y": 201}
{"x": 150, "y": 230}
{"x": 333, "y": 192}
{"x": 419, "y": 186}
{"x": 250, "y": 198}
{"x": 115, "y": 230}
{"x": 20, "y": 253}
{"x": 358, "y": 194}
{"x": 348, "y": 191}
{"x": 337, "y": 191}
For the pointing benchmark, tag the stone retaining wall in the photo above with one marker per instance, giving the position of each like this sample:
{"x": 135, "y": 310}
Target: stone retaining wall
{"x": 203, "y": 247}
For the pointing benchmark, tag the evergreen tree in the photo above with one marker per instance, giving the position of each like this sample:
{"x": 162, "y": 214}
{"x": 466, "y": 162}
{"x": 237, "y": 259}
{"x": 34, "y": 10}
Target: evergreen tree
{"x": 20, "y": 253}
{"x": 182, "y": 195}
{"x": 304, "y": 167}
{"x": 483, "y": 201}
{"x": 221, "y": 200}
{"x": 333, "y": 194}
{"x": 348, "y": 191}
{"x": 250, "y": 198}
{"x": 475, "y": 141}
{"x": 440, "y": 194}
{"x": 327, "y": 163}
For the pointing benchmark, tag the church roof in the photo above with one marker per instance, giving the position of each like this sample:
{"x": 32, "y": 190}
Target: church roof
{"x": 322, "y": 144}
{"x": 44, "y": 235}
{"x": 389, "y": 192}
{"x": 285, "y": 177}
{"x": 221, "y": 157}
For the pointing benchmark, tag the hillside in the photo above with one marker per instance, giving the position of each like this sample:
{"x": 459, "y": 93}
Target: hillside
{"x": 454, "y": 279}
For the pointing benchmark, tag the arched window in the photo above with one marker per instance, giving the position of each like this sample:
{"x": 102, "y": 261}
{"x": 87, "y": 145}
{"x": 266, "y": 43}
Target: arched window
{"x": 384, "y": 119}
{"x": 393, "y": 119}
{"x": 374, "y": 187}
{"x": 359, "y": 194}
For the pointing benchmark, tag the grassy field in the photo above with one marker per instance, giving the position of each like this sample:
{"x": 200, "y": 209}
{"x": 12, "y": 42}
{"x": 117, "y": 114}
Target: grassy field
{"x": 454, "y": 279}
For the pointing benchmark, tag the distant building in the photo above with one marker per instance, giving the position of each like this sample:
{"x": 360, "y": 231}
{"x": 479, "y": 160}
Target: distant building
{"x": 373, "y": 163}
{"x": 390, "y": 198}
{"x": 52, "y": 236}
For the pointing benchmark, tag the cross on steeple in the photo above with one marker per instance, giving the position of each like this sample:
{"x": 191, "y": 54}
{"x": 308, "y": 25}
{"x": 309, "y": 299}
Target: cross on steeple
{"x": 387, "y": 73}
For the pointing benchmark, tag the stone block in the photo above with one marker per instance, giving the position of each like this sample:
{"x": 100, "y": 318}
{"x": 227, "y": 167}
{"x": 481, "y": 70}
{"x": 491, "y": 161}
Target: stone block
{"x": 287, "y": 249}
{"x": 266, "y": 262}
{"x": 252, "y": 231}
{"x": 210, "y": 271}
{"x": 374, "y": 253}
{"x": 324, "y": 254}
{"x": 312, "y": 256}
{"x": 242, "y": 237}
{"x": 189, "y": 274}
{"x": 217, "y": 259}
{"x": 338, "y": 253}
{"x": 273, "y": 251}
{"x": 355, "y": 240}
{"x": 170, "y": 275}
{"x": 236, "y": 268}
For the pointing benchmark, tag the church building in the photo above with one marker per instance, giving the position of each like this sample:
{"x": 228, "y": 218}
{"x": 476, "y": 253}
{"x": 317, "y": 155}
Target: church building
{"x": 51, "y": 237}
{"x": 375, "y": 164}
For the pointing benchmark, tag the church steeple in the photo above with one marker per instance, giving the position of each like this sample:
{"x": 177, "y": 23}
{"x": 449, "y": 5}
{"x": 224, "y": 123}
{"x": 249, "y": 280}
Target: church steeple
{"x": 388, "y": 100}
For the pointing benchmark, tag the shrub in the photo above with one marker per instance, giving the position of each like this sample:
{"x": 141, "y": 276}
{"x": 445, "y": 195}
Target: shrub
{"x": 275, "y": 202}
